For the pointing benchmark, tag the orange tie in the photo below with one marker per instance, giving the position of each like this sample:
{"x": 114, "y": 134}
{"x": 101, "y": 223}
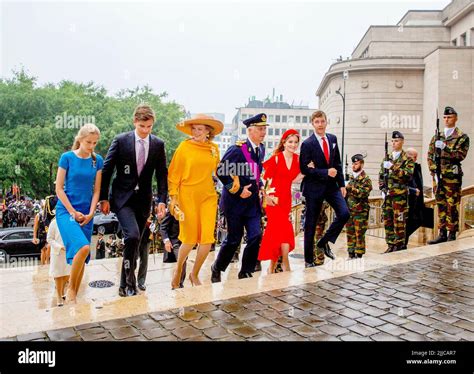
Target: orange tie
{"x": 326, "y": 149}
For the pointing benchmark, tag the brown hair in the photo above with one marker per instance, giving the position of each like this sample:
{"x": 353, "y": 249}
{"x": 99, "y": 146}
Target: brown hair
{"x": 86, "y": 130}
{"x": 281, "y": 145}
{"x": 318, "y": 114}
{"x": 143, "y": 112}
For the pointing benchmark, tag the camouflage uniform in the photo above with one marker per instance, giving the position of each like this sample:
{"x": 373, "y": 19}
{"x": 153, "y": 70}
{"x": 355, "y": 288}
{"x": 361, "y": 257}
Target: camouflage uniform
{"x": 395, "y": 207}
{"x": 358, "y": 191}
{"x": 320, "y": 226}
{"x": 448, "y": 191}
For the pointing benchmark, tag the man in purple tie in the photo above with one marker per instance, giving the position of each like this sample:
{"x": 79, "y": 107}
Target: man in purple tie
{"x": 135, "y": 156}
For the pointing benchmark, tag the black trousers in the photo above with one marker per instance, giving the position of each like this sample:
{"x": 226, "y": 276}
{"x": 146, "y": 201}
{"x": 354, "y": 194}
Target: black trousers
{"x": 235, "y": 232}
{"x": 132, "y": 217}
{"x": 313, "y": 209}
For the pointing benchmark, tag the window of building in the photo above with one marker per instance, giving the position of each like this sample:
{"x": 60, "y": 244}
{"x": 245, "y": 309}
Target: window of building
{"x": 277, "y": 132}
{"x": 291, "y": 119}
{"x": 284, "y": 119}
{"x": 298, "y": 119}
{"x": 244, "y": 116}
{"x": 305, "y": 119}
{"x": 243, "y": 130}
{"x": 463, "y": 40}
{"x": 270, "y": 132}
{"x": 305, "y": 132}
{"x": 277, "y": 118}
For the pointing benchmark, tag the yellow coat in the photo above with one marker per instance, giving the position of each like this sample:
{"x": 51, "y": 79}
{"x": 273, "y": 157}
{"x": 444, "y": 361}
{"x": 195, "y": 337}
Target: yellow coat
{"x": 190, "y": 178}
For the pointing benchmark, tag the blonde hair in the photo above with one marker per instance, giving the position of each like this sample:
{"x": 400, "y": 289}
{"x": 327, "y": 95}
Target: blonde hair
{"x": 86, "y": 130}
{"x": 212, "y": 133}
{"x": 143, "y": 112}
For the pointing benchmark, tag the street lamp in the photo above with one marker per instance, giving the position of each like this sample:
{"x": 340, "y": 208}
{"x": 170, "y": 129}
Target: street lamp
{"x": 345, "y": 76}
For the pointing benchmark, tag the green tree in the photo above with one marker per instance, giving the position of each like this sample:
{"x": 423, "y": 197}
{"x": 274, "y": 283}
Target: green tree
{"x": 35, "y": 126}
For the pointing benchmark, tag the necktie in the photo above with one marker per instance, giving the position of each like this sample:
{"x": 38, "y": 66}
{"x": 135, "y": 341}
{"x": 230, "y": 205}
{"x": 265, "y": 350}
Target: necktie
{"x": 141, "y": 156}
{"x": 257, "y": 153}
{"x": 326, "y": 149}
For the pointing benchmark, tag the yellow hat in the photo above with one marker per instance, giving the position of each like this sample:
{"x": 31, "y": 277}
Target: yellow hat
{"x": 200, "y": 119}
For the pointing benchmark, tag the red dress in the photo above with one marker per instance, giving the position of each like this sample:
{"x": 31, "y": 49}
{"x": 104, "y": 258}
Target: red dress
{"x": 279, "y": 227}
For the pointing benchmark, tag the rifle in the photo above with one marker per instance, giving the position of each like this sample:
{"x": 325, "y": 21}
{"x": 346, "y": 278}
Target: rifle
{"x": 346, "y": 170}
{"x": 385, "y": 172}
{"x": 437, "y": 181}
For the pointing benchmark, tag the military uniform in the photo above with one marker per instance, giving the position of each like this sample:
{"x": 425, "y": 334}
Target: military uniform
{"x": 448, "y": 188}
{"x": 241, "y": 166}
{"x": 358, "y": 191}
{"x": 320, "y": 226}
{"x": 395, "y": 207}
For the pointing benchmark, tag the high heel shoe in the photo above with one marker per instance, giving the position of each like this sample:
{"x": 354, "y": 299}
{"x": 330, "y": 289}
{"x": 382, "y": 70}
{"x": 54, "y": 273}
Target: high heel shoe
{"x": 194, "y": 282}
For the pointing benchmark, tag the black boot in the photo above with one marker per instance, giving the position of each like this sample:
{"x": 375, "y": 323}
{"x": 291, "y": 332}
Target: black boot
{"x": 452, "y": 236}
{"x": 443, "y": 237}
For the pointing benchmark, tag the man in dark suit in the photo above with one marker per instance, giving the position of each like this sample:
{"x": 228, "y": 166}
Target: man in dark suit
{"x": 134, "y": 156}
{"x": 416, "y": 199}
{"x": 239, "y": 171}
{"x": 320, "y": 162}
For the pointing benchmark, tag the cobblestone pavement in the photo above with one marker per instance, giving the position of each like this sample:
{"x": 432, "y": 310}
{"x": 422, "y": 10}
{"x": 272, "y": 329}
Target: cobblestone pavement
{"x": 430, "y": 299}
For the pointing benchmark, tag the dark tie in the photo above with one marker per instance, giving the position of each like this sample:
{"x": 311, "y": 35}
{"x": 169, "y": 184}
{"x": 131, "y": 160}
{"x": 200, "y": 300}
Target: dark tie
{"x": 326, "y": 149}
{"x": 257, "y": 153}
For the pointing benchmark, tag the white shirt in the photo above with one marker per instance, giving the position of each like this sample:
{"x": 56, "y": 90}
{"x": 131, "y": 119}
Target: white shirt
{"x": 54, "y": 238}
{"x": 448, "y": 131}
{"x": 254, "y": 146}
{"x": 396, "y": 155}
{"x": 356, "y": 175}
{"x": 320, "y": 140}
{"x": 137, "y": 144}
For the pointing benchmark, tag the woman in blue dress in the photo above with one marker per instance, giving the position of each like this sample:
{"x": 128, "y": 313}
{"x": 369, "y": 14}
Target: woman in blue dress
{"x": 78, "y": 187}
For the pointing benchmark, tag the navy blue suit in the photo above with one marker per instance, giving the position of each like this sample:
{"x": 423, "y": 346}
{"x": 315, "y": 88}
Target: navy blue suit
{"x": 240, "y": 213}
{"x": 318, "y": 186}
{"x": 132, "y": 205}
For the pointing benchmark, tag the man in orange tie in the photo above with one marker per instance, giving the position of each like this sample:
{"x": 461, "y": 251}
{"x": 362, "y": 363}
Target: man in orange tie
{"x": 320, "y": 162}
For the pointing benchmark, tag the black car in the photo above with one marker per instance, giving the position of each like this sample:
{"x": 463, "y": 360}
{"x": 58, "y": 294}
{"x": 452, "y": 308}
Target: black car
{"x": 17, "y": 242}
{"x": 106, "y": 224}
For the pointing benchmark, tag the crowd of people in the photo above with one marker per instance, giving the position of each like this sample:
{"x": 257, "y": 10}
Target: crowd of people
{"x": 187, "y": 202}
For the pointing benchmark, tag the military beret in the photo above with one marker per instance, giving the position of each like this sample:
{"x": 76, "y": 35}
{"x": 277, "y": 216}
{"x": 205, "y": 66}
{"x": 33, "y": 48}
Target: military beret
{"x": 397, "y": 135}
{"x": 357, "y": 157}
{"x": 449, "y": 110}
{"x": 257, "y": 120}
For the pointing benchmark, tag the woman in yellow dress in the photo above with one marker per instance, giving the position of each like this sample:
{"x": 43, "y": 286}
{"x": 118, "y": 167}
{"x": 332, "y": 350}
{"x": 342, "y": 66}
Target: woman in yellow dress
{"x": 192, "y": 192}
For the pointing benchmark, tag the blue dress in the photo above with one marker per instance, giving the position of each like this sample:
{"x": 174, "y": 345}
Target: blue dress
{"x": 79, "y": 188}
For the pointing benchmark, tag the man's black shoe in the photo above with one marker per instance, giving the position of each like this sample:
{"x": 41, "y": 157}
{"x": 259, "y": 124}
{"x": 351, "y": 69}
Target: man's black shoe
{"x": 309, "y": 265}
{"x": 327, "y": 251}
{"x": 452, "y": 236}
{"x": 243, "y": 275}
{"x": 352, "y": 255}
{"x": 142, "y": 287}
{"x": 442, "y": 237}
{"x": 131, "y": 291}
{"x": 215, "y": 274}
{"x": 122, "y": 292}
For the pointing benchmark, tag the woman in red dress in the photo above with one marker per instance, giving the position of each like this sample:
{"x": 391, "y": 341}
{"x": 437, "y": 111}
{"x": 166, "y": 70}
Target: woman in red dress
{"x": 283, "y": 169}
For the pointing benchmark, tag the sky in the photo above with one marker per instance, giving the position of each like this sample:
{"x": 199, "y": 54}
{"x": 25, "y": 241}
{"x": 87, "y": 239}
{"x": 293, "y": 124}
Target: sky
{"x": 208, "y": 56}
